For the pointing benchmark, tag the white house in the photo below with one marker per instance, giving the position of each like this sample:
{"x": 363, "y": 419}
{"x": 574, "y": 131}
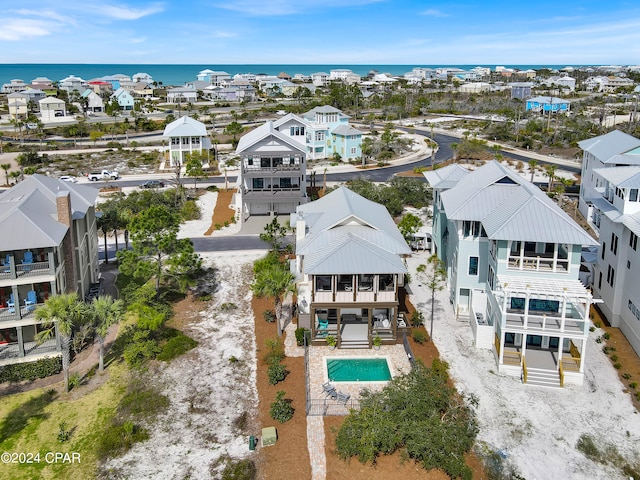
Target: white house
{"x": 15, "y": 85}
{"x": 72, "y": 83}
{"x": 182, "y": 95}
{"x": 272, "y": 173}
{"x": 512, "y": 258}
{"x": 94, "y": 101}
{"x": 186, "y": 135}
{"x": 51, "y": 108}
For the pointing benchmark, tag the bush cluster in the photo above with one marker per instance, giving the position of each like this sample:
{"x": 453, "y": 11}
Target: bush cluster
{"x": 269, "y": 316}
{"x": 277, "y": 373}
{"x": 44, "y": 367}
{"x": 176, "y": 346}
{"x": 300, "y": 334}
{"x": 281, "y": 409}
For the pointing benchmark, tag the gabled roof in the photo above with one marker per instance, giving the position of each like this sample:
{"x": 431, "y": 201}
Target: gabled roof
{"x": 445, "y": 177}
{"x": 343, "y": 216}
{"x": 185, "y": 127}
{"x": 510, "y": 208}
{"x": 50, "y": 101}
{"x": 549, "y": 100}
{"x": 291, "y": 117}
{"x": 311, "y": 114}
{"x": 609, "y": 147}
{"x": 263, "y": 132}
{"x": 623, "y": 177}
{"x": 29, "y": 211}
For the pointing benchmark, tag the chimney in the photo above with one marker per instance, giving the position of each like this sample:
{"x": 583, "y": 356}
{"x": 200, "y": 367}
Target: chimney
{"x": 63, "y": 206}
{"x": 301, "y": 227}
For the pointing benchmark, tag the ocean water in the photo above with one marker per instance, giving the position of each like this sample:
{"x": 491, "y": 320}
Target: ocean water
{"x": 179, "y": 74}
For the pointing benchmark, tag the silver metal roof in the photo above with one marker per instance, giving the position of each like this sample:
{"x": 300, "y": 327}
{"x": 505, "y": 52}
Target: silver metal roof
{"x": 606, "y": 146}
{"x": 185, "y": 127}
{"x": 263, "y": 132}
{"x": 346, "y": 130}
{"x": 445, "y": 177}
{"x": 510, "y": 208}
{"x": 29, "y": 212}
{"x": 623, "y": 177}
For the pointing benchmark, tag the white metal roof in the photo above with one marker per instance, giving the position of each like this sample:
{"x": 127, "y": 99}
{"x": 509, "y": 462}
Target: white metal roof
{"x": 624, "y": 177}
{"x": 263, "y": 132}
{"x": 445, "y": 177}
{"x": 185, "y": 127}
{"x": 611, "y": 144}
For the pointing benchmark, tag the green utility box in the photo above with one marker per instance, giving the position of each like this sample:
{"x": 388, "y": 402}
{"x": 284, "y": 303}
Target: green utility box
{"x": 252, "y": 442}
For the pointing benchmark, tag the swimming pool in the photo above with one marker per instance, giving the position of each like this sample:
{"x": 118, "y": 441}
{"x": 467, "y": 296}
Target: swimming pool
{"x": 358, "y": 369}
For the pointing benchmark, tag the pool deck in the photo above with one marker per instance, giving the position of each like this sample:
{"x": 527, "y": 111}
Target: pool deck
{"x": 395, "y": 355}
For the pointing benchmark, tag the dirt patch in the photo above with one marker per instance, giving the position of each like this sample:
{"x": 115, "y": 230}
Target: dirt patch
{"x": 623, "y": 354}
{"x": 289, "y": 457}
{"x": 221, "y": 213}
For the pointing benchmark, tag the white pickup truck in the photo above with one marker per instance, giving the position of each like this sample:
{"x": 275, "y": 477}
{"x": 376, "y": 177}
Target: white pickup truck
{"x": 103, "y": 175}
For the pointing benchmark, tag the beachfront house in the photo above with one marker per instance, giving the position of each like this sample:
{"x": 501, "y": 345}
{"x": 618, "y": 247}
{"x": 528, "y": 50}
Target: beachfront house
{"x": 94, "y": 102}
{"x": 17, "y": 103}
{"x": 52, "y": 249}
{"x": 185, "y": 136}
{"x": 272, "y": 173}
{"x": 350, "y": 270}
{"x": 512, "y": 258}
{"x": 182, "y": 95}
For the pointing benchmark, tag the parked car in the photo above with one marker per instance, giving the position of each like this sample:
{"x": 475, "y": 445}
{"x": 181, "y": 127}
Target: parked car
{"x": 153, "y": 184}
{"x": 69, "y": 178}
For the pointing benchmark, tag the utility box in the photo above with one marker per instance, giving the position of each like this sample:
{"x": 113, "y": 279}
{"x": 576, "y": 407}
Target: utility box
{"x": 252, "y": 442}
{"x": 269, "y": 436}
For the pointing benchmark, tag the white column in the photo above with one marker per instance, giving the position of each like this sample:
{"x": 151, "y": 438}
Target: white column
{"x": 526, "y": 307}
{"x": 563, "y": 312}
{"x": 560, "y": 352}
{"x": 582, "y": 358}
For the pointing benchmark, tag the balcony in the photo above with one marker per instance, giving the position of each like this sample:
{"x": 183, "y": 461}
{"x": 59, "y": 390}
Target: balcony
{"x": 291, "y": 167}
{"x": 368, "y": 289}
{"x": 538, "y": 263}
{"x": 10, "y": 352}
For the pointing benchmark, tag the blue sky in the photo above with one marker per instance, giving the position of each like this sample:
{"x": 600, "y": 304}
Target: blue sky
{"x": 320, "y": 31}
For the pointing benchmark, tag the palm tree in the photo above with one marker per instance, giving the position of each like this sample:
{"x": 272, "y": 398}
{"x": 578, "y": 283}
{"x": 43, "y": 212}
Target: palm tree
{"x": 6, "y": 167}
{"x": 532, "y": 167}
{"x": 551, "y": 173}
{"x": 105, "y": 312}
{"x": 59, "y": 315}
{"x": 454, "y": 147}
{"x": 274, "y": 280}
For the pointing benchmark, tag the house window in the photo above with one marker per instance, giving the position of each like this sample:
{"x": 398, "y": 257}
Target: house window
{"x": 296, "y": 131}
{"x": 610, "y": 275}
{"x": 185, "y": 140}
{"x": 195, "y": 140}
{"x": 323, "y": 283}
{"x": 604, "y": 247}
{"x": 385, "y": 282}
{"x": 471, "y": 229}
{"x": 633, "y": 195}
{"x": 175, "y": 141}
{"x": 633, "y": 241}
{"x": 258, "y": 183}
{"x": 600, "y": 281}
{"x": 285, "y": 183}
{"x": 628, "y": 264}
{"x": 491, "y": 277}
{"x": 320, "y": 136}
{"x": 614, "y": 243}
{"x": 473, "y": 265}
{"x": 250, "y": 161}
{"x": 354, "y": 150}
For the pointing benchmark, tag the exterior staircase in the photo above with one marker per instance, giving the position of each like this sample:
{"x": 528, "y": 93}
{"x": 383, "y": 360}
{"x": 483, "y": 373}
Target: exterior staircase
{"x": 354, "y": 343}
{"x": 539, "y": 377}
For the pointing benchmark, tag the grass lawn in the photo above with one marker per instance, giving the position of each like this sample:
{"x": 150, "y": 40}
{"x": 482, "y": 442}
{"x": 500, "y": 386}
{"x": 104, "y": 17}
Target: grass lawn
{"x": 30, "y": 423}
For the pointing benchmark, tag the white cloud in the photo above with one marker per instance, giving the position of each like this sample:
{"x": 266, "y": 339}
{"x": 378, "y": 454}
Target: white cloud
{"x": 21, "y": 29}
{"x": 288, "y": 7}
{"x": 127, "y": 13}
{"x": 48, "y": 14}
{"x": 432, "y": 12}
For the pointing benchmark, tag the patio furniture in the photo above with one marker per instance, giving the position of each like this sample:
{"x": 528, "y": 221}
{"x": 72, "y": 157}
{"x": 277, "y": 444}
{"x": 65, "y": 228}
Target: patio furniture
{"x": 6, "y": 264}
{"x": 343, "y": 397}
{"x": 328, "y": 389}
{"x": 28, "y": 257}
{"x": 31, "y": 300}
{"x": 11, "y": 304}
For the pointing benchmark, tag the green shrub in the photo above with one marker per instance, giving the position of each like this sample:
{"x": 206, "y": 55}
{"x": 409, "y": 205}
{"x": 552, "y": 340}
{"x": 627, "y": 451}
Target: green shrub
{"x": 614, "y": 358}
{"x": 64, "y": 434}
{"x": 588, "y": 447}
{"x": 240, "y": 470}
{"x": 275, "y": 351}
{"x": 417, "y": 318}
{"x": 281, "y": 409}
{"x": 44, "y": 367}
{"x": 228, "y": 307}
{"x": 75, "y": 380}
{"x": 269, "y": 316}
{"x": 212, "y": 188}
{"x": 277, "y": 373}
{"x": 176, "y": 346}
{"x": 626, "y": 376}
{"x": 142, "y": 347}
{"x": 419, "y": 336}
{"x": 301, "y": 332}
{"x": 119, "y": 438}
{"x": 233, "y": 359}
{"x": 633, "y": 385}
{"x": 143, "y": 402}
{"x": 190, "y": 210}
{"x": 606, "y": 335}
{"x": 617, "y": 366}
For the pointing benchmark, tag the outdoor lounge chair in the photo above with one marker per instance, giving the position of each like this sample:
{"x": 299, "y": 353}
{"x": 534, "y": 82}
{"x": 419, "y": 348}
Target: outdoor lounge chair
{"x": 11, "y": 304}
{"x": 31, "y": 300}
{"x": 343, "y": 397}
{"x": 328, "y": 389}
{"x": 28, "y": 257}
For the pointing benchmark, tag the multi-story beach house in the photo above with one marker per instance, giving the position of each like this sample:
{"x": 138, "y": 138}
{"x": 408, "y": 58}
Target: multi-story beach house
{"x": 124, "y": 99}
{"x": 52, "y": 248}
{"x": 611, "y": 150}
{"x": 548, "y": 105}
{"x": 610, "y": 199}
{"x": 185, "y": 136}
{"x": 512, "y": 258}
{"x": 325, "y": 131}
{"x": 272, "y": 173}
{"x": 350, "y": 269}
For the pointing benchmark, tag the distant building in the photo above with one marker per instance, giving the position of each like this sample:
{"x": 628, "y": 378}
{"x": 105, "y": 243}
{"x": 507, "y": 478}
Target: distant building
{"x": 14, "y": 86}
{"x": 185, "y": 135}
{"x": 548, "y": 104}
{"x": 520, "y": 90}
{"x": 52, "y": 109}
